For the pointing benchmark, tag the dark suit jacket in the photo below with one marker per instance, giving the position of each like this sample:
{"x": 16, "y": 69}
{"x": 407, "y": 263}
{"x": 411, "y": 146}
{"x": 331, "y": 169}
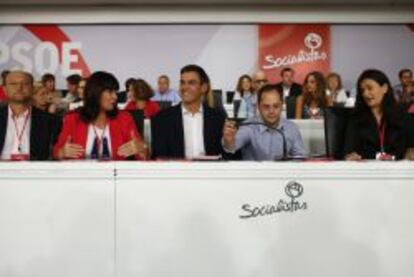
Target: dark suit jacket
{"x": 295, "y": 90}
{"x": 44, "y": 130}
{"x": 168, "y": 133}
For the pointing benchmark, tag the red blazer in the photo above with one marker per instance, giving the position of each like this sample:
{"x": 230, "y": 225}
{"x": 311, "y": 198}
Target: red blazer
{"x": 120, "y": 129}
{"x": 151, "y": 108}
{"x": 3, "y": 96}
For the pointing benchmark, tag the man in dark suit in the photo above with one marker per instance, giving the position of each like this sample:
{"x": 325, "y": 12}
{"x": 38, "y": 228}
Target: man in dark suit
{"x": 288, "y": 86}
{"x": 290, "y": 89}
{"x": 190, "y": 129}
{"x": 26, "y": 133}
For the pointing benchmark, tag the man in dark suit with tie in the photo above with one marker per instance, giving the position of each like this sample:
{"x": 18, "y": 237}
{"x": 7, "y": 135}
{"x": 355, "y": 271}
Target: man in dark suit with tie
{"x": 190, "y": 129}
{"x": 26, "y": 133}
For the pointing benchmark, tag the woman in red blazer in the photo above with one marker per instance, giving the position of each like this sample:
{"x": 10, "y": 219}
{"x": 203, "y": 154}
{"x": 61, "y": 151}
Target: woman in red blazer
{"x": 142, "y": 92}
{"x": 98, "y": 130}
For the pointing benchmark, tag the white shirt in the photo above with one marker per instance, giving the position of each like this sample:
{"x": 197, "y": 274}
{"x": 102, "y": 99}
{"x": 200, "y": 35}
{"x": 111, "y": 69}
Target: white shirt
{"x": 11, "y": 142}
{"x": 91, "y": 140}
{"x": 286, "y": 91}
{"x": 340, "y": 97}
{"x": 193, "y": 133}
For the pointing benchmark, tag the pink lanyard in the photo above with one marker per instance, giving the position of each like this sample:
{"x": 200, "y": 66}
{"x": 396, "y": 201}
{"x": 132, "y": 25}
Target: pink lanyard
{"x": 19, "y": 135}
{"x": 381, "y": 133}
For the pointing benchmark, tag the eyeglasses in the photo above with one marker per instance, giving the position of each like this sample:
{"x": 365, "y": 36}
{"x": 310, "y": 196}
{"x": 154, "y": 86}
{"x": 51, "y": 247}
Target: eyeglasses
{"x": 261, "y": 81}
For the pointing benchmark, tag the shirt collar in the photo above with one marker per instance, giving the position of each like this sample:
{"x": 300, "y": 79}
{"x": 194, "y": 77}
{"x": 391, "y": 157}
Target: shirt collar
{"x": 187, "y": 112}
{"x": 23, "y": 115}
{"x": 263, "y": 128}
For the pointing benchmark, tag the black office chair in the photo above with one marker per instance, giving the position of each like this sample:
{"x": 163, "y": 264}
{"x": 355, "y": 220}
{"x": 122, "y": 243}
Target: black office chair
{"x": 164, "y": 104}
{"x": 336, "y": 121}
{"x": 230, "y": 96}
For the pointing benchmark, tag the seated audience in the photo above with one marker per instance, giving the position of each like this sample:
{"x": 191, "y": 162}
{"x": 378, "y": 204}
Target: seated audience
{"x": 26, "y": 133}
{"x": 72, "y": 83}
{"x": 3, "y": 97}
{"x": 190, "y": 129}
{"x": 409, "y": 98}
{"x": 379, "y": 128}
{"x": 243, "y": 92}
{"x": 400, "y": 91}
{"x": 126, "y": 95}
{"x": 165, "y": 93}
{"x": 288, "y": 85}
{"x": 259, "y": 80}
{"x": 313, "y": 101}
{"x": 40, "y": 99}
{"x": 335, "y": 93}
{"x": 98, "y": 130}
{"x": 141, "y": 95}
{"x": 267, "y": 137}
{"x": 55, "y": 96}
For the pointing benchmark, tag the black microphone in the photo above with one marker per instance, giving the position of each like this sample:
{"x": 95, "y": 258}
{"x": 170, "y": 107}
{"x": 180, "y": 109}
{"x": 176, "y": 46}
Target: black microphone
{"x": 280, "y": 131}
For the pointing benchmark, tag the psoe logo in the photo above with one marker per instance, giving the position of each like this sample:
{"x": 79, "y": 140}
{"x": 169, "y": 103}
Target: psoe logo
{"x": 293, "y": 190}
{"x": 312, "y": 41}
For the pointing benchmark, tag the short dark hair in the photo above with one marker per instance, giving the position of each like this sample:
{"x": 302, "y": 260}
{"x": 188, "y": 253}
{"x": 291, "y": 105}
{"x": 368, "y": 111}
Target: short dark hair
{"x": 164, "y": 77}
{"x": 96, "y": 84}
{"x": 74, "y": 79}
{"x": 204, "y": 79}
{"x": 129, "y": 82}
{"x": 28, "y": 75}
{"x": 269, "y": 88}
{"x": 286, "y": 69}
{"x": 47, "y": 77}
{"x": 402, "y": 71}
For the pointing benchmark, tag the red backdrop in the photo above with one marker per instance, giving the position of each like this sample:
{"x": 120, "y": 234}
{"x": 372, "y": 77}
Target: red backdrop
{"x": 304, "y": 48}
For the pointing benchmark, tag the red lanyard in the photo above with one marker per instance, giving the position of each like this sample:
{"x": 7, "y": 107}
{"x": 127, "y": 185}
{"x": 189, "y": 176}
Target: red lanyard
{"x": 19, "y": 135}
{"x": 99, "y": 138}
{"x": 381, "y": 133}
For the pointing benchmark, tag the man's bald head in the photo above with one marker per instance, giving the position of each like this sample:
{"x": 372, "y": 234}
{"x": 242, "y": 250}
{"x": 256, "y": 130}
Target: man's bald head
{"x": 259, "y": 80}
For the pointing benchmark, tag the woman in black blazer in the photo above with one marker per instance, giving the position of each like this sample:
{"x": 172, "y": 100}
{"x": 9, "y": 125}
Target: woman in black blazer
{"x": 378, "y": 128}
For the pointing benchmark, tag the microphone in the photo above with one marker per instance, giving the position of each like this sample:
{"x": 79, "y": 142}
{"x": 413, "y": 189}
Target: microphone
{"x": 280, "y": 131}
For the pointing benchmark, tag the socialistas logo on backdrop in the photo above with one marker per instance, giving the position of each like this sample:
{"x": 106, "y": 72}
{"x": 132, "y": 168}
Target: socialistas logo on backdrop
{"x": 40, "y": 49}
{"x": 304, "y": 48}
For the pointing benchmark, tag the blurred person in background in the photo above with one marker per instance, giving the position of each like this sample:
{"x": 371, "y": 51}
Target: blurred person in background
{"x": 141, "y": 95}
{"x": 313, "y": 101}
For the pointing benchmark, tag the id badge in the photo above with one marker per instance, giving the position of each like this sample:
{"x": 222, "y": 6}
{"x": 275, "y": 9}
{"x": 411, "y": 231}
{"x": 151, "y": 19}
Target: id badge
{"x": 19, "y": 157}
{"x": 382, "y": 156}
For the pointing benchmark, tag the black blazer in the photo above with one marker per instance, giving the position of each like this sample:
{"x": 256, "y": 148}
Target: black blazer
{"x": 362, "y": 135}
{"x": 295, "y": 89}
{"x": 44, "y": 131}
{"x": 168, "y": 133}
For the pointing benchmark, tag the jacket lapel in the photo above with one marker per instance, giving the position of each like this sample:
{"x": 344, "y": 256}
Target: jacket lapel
{"x": 208, "y": 127}
{"x": 179, "y": 131}
{"x": 3, "y": 126}
{"x": 37, "y": 134}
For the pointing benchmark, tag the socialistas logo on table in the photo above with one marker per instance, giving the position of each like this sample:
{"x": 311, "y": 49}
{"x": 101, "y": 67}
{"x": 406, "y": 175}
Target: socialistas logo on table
{"x": 293, "y": 190}
{"x": 304, "y": 48}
